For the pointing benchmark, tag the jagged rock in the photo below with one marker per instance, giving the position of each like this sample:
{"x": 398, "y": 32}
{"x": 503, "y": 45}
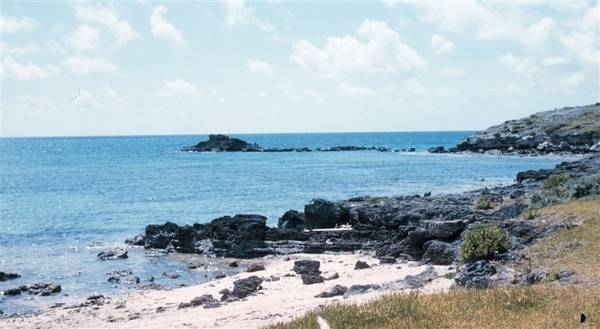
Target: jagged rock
{"x": 293, "y": 220}
{"x": 439, "y": 252}
{"x": 255, "y": 268}
{"x": 312, "y": 278}
{"x": 534, "y": 277}
{"x": 116, "y": 253}
{"x": 223, "y": 143}
{"x": 421, "y": 279}
{"x": 361, "y": 288}
{"x": 240, "y": 236}
{"x": 207, "y": 300}
{"x": 8, "y": 276}
{"x": 336, "y": 290}
{"x": 361, "y": 265}
{"x": 306, "y": 266}
{"x": 476, "y": 275}
{"x": 321, "y": 213}
{"x": 41, "y": 289}
{"x": 137, "y": 240}
{"x": 244, "y": 287}
{"x": 437, "y": 149}
{"x": 233, "y": 264}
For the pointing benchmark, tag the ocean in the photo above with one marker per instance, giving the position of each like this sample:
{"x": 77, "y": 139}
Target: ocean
{"x": 62, "y": 200}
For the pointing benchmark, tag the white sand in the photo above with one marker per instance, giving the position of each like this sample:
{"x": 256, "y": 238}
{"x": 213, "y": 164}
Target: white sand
{"x": 278, "y": 301}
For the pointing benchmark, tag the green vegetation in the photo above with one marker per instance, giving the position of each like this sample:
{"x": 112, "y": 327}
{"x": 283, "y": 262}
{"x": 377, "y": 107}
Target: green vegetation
{"x": 483, "y": 242}
{"x": 485, "y": 202}
{"x": 541, "y": 306}
{"x": 530, "y": 213}
{"x": 555, "y": 185}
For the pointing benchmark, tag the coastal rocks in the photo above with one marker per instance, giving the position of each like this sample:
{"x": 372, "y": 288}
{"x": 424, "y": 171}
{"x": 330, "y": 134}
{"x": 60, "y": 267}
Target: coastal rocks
{"x": 114, "y": 254}
{"x": 222, "y": 143}
{"x": 437, "y": 149}
{"x": 476, "y": 275}
{"x": 357, "y": 289}
{"x": 439, "y": 252}
{"x": 242, "y": 288}
{"x": 4, "y": 276}
{"x": 321, "y": 213}
{"x": 292, "y": 220}
{"x": 360, "y": 265}
{"x": 306, "y": 266}
{"x": 240, "y": 236}
{"x": 41, "y": 289}
{"x": 255, "y": 268}
{"x": 208, "y": 301}
{"x": 312, "y": 278}
{"x": 420, "y": 280}
{"x": 336, "y": 290}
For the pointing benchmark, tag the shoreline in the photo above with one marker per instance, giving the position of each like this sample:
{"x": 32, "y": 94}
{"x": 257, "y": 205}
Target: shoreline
{"x": 279, "y": 299}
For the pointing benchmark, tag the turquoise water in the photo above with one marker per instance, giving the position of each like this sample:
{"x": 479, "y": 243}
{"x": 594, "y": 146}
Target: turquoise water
{"x": 64, "y": 199}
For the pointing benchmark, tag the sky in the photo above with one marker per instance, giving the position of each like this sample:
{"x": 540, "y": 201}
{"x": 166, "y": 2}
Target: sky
{"x": 190, "y": 67}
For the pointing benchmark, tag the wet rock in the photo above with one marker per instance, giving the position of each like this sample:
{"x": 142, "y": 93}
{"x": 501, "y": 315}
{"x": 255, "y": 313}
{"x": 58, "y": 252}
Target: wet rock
{"x": 293, "y": 220}
{"x": 476, "y": 275}
{"x": 440, "y": 253}
{"x": 244, "y": 287}
{"x": 240, "y": 236}
{"x": 220, "y": 276}
{"x": 233, "y": 264}
{"x": 311, "y": 278}
{"x": 306, "y": 266}
{"x": 223, "y": 143}
{"x": 116, "y": 253}
{"x": 361, "y": 265}
{"x": 12, "y": 292}
{"x": 421, "y": 279}
{"x": 133, "y": 280}
{"x": 8, "y": 276}
{"x": 137, "y": 240}
{"x": 41, "y": 289}
{"x": 336, "y": 290}
{"x": 255, "y": 268}
{"x": 437, "y": 149}
{"x": 171, "y": 275}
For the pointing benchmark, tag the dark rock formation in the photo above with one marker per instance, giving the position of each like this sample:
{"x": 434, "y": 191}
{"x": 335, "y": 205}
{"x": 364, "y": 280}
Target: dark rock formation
{"x": 242, "y": 288}
{"x": 8, "y": 276}
{"x": 321, "y": 213}
{"x": 311, "y": 278}
{"x": 306, "y": 266}
{"x": 336, "y": 290}
{"x": 476, "y": 275}
{"x": 421, "y": 279}
{"x": 41, "y": 289}
{"x": 255, "y": 268}
{"x": 439, "y": 252}
{"x": 361, "y": 288}
{"x": 360, "y": 265}
{"x": 222, "y": 143}
{"x": 292, "y": 220}
{"x": 207, "y": 300}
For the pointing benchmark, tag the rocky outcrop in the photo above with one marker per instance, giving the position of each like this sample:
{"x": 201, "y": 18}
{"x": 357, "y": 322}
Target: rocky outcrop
{"x": 476, "y": 275}
{"x": 565, "y": 130}
{"x": 242, "y": 288}
{"x": 8, "y": 276}
{"x": 117, "y": 253}
{"x": 41, "y": 289}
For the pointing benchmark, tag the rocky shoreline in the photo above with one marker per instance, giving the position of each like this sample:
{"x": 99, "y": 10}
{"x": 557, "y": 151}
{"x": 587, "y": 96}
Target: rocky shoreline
{"x": 568, "y": 130}
{"x": 426, "y": 228}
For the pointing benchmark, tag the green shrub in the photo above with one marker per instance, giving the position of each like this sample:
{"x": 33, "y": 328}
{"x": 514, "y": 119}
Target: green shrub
{"x": 530, "y": 213}
{"x": 586, "y": 186}
{"x": 483, "y": 242}
{"x": 556, "y": 184}
{"x": 485, "y": 202}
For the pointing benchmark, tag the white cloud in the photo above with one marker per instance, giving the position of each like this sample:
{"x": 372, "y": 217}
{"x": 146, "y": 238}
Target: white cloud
{"x": 355, "y": 91}
{"x": 513, "y": 89}
{"x": 107, "y": 18}
{"x": 441, "y": 45}
{"x": 391, "y": 3}
{"x": 86, "y": 100}
{"x": 259, "y": 67}
{"x": 163, "y": 29}
{"x": 237, "y": 12}
{"x": 555, "y": 60}
{"x": 6, "y": 49}
{"x": 383, "y": 51}
{"x": 414, "y": 86}
{"x": 521, "y": 65}
{"x": 85, "y": 65}
{"x": 12, "y": 69}
{"x": 574, "y": 79}
{"x": 84, "y": 38}
{"x": 179, "y": 88}
{"x": 582, "y": 39}
{"x": 10, "y": 24}
{"x": 312, "y": 94}
{"x": 452, "y": 72}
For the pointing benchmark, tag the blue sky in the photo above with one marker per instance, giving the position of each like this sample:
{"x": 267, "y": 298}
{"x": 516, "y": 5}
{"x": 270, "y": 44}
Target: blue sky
{"x": 115, "y": 68}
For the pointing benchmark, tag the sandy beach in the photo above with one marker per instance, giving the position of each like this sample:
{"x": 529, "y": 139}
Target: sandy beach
{"x": 277, "y": 301}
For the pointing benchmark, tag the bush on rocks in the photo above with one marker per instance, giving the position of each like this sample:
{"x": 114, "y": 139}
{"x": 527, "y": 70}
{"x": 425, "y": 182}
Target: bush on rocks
{"x": 483, "y": 242}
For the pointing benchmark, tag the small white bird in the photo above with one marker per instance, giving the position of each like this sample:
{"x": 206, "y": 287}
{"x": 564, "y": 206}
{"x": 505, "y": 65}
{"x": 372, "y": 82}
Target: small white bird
{"x": 322, "y": 323}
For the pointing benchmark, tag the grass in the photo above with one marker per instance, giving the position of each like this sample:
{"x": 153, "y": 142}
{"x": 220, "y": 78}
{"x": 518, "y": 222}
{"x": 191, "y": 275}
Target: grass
{"x": 513, "y": 307}
{"x": 546, "y": 305}
{"x": 577, "y": 248}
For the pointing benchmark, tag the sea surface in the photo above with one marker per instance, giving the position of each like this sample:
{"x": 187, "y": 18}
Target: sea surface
{"x": 62, "y": 200}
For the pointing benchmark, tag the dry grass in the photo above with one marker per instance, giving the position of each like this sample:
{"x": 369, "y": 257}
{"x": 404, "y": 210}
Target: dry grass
{"x": 546, "y": 306}
{"x": 513, "y": 307}
{"x": 576, "y": 249}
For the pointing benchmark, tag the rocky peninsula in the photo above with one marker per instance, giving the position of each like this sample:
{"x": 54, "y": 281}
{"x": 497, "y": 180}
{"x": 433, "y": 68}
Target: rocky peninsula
{"x": 568, "y": 130}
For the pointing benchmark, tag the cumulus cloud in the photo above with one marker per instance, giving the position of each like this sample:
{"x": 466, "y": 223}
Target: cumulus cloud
{"x": 6, "y": 49}
{"x": 574, "y": 79}
{"x": 162, "y": 29}
{"x": 83, "y": 65}
{"x": 414, "y": 86}
{"x": 382, "y": 51}
{"x": 86, "y": 100}
{"x": 521, "y": 65}
{"x": 259, "y": 67}
{"x": 582, "y": 39}
{"x": 12, "y": 69}
{"x": 179, "y": 88}
{"x": 107, "y": 18}
{"x": 555, "y": 60}
{"x": 84, "y": 38}
{"x": 441, "y": 45}
{"x": 238, "y": 13}
{"x": 347, "y": 89}
{"x": 452, "y": 72}
{"x": 10, "y": 24}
